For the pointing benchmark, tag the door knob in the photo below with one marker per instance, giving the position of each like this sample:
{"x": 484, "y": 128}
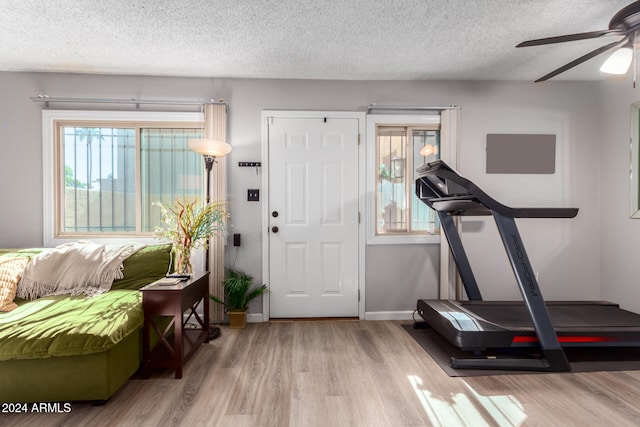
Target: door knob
{"x": 274, "y": 229}
{"x": 275, "y": 214}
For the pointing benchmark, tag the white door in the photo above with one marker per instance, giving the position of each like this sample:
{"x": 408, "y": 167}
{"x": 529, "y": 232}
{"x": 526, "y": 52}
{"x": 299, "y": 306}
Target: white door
{"x": 313, "y": 217}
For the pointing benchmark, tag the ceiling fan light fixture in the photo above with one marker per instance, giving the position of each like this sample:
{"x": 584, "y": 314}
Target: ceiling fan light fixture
{"x": 618, "y": 62}
{"x": 625, "y": 23}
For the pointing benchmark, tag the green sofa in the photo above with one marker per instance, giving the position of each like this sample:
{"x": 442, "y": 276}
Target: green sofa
{"x": 71, "y": 348}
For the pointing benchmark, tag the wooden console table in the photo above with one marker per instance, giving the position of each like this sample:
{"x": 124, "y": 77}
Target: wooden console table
{"x": 177, "y": 342}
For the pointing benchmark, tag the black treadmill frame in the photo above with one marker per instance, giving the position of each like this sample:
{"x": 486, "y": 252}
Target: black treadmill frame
{"x": 450, "y": 194}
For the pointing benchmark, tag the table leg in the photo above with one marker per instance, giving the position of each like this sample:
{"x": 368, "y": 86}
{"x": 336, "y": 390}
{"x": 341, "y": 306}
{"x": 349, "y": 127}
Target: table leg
{"x": 179, "y": 325}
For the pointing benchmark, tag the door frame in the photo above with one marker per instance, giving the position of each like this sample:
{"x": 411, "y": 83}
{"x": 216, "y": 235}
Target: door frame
{"x": 361, "y": 117}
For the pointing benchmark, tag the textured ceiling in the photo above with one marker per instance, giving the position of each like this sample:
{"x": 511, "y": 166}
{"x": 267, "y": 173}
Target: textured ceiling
{"x": 302, "y": 39}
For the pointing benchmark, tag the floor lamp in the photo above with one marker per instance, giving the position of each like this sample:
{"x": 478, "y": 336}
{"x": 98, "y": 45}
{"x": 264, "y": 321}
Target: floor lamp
{"x": 210, "y": 149}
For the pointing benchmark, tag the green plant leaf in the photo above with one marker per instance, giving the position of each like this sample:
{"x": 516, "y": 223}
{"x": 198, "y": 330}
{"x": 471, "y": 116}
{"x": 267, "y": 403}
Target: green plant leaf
{"x": 239, "y": 291}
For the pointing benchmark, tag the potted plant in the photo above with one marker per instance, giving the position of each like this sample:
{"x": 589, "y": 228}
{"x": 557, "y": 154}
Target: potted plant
{"x": 188, "y": 225}
{"x": 239, "y": 291}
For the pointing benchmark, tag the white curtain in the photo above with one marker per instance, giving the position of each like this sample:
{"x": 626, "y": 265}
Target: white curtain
{"x": 215, "y": 120}
{"x": 450, "y": 132}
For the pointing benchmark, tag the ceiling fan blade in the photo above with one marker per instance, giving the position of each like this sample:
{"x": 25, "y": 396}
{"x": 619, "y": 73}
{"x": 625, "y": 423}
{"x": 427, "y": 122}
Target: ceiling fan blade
{"x": 569, "y": 38}
{"x": 582, "y": 59}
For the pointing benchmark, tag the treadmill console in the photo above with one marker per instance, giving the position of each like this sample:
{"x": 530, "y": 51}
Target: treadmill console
{"x": 438, "y": 185}
{"x": 441, "y": 188}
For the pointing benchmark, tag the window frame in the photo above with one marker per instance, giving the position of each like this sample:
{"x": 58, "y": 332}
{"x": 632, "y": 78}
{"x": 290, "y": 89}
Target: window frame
{"x": 391, "y": 120}
{"x": 52, "y": 122}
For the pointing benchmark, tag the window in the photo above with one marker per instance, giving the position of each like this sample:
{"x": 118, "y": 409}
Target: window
{"x": 397, "y": 145}
{"x": 108, "y": 174}
{"x": 400, "y": 150}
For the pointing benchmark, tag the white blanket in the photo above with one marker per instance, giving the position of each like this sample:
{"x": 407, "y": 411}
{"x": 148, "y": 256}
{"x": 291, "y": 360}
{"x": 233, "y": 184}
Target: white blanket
{"x": 74, "y": 268}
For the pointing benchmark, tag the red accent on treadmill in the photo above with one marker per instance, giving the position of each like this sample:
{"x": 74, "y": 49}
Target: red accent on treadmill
{"x": 567, "y": 339}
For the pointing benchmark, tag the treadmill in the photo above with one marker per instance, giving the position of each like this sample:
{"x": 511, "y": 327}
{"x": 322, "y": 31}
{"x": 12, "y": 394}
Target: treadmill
{"x": 476, "y": 325}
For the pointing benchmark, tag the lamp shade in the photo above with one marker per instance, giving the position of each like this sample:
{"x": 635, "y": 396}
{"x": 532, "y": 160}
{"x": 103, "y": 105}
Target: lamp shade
{"x": 428, "y": 150}
{"x": 618, "y": 62}
{"x": 209, "y": 147}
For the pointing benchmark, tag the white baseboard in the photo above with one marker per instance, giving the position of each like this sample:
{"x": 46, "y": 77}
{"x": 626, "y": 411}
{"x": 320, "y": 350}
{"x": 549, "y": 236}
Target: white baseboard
{"x": 370, "y": 315}
{"x": 254, "y": 317}
{"x": 388, "y": 315}
{"x": 251, "y": 318}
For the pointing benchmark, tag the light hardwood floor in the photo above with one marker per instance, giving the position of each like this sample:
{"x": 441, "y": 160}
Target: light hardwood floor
{"x": 347, "y": 373}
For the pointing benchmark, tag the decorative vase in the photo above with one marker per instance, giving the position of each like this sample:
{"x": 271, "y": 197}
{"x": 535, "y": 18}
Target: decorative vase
{"x": 237, "y": 318}
{"x": 183, "y": 260}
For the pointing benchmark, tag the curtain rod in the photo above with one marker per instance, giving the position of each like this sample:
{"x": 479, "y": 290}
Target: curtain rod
{"x": 409, "y": 107}
{"x": 46, "y": 99}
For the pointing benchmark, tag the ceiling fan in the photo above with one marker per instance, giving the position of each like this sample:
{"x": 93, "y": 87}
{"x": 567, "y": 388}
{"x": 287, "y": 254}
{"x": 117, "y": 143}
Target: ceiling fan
{"x": 624, "y": 23}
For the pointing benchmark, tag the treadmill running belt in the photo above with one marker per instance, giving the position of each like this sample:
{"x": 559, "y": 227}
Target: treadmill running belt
{"x": 579, "y": 316}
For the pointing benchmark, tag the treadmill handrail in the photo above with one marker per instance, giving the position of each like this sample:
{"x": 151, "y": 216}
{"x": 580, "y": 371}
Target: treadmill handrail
{"x": 442, "y": 170}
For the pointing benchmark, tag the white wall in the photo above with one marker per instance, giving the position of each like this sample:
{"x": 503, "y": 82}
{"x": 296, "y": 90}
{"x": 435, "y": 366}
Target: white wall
{"x": 564, "y": 252}
{"x": 620, "y": 233}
